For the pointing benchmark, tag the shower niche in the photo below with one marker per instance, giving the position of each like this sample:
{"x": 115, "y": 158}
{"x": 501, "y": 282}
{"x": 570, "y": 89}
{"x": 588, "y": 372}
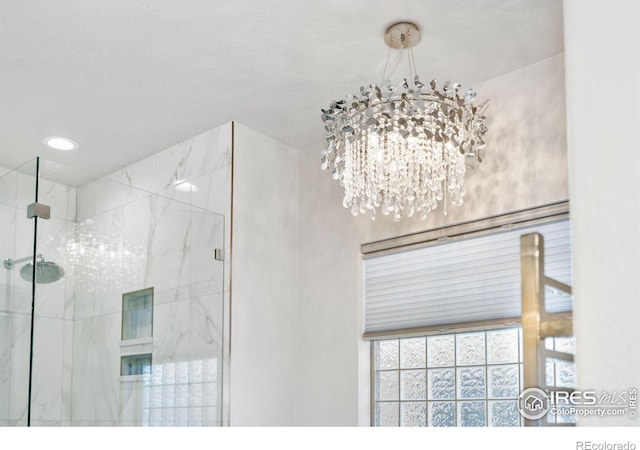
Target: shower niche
{"x": 122, "y": 324}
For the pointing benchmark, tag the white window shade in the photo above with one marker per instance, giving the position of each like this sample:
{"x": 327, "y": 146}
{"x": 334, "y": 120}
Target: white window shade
{"x": 461, "y": 281}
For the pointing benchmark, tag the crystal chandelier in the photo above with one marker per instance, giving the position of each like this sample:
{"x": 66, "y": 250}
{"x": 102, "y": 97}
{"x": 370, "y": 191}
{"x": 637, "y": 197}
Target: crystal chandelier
{"x": 403, "y": 149}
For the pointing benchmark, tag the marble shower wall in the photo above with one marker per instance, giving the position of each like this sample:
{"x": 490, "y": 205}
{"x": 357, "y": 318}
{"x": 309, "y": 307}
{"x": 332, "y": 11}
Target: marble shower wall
{"x": 152, "y": 224}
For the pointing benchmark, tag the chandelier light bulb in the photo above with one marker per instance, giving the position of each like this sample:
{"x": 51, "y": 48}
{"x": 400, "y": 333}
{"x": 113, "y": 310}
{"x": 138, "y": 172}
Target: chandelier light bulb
{"x": 403, "y": 149}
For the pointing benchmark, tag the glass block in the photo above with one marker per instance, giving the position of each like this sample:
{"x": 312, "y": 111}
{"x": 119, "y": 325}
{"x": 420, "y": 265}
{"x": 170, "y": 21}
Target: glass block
{"x": 387, "y": 386}
{"x": 521, "y": 387}
{"x": 471, "y": 382}
{"x": 413, "y": 353}
{"x": 442, "y": 414}
{"x": 566, "y": 345}
{"x": 155, "y": 417}
{"x": 210, "y": 370}
{"x": 168, "y": 396}
{"x": 169, "y": 373}
{"x": 196, "y": 394}
{"x": 211, "y": 415}
{"x": 157, "y": 376}
{"x": 549, "y": 370}
{"x": 210, "y": 394}
{"x": 387, "y": 414}
{"x": 196, "y": 371}
{"x": 182, "y": 372}
{"x": 181, "y": 417}
{"x": 470, "y": 349}
{"x": 565, "y": 374}
{"x": 442, "y": 384}
{"x": 520, "y": 343}
{"x": 168, "y": 416}
{"x": 146, "y": 396}
{"x": 413, "y": 385}
{"x": 413, "y": 414}
{"x": 472, "y": 414}
{"x": 441, "y": 351}
{"x": 548, "y": 343}
{"x": 182, "y": 395}
{"x": 503, "y": 381}
{"x": 565, "y": 418}
{"x": 387, "y": 354}
{"x": 195, "y": 416}
{"x": 155, "y": 396}
{"x": 502, "y": 346}
{"x": 504, "y": 413}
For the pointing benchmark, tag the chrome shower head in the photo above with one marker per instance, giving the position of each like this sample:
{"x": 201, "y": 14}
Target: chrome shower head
{"x": 46, "y": 272}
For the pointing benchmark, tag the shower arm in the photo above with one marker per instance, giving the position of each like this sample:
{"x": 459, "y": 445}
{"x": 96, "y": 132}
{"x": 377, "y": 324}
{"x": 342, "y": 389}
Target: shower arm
{"x": 10, "y": 263}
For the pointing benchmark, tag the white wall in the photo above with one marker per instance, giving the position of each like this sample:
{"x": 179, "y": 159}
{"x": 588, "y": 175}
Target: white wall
{"x": 524, "y": 166}
{"x": 264, "y": 289}
{"x": 602, "y": 44}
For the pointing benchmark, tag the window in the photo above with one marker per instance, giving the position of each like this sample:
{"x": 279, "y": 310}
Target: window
{"x": 457, "y": 379}
{"x": 442, "y": 310}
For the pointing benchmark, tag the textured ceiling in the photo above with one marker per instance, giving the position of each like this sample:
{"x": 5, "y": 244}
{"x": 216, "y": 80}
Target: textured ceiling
{"x": 129, "y": 78}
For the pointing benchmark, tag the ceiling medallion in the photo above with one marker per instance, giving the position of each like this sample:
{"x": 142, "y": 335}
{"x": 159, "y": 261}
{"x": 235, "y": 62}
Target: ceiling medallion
{"x": 403, "y": 149}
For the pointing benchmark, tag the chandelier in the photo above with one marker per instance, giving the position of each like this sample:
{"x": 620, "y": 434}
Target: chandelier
{"x": 403, "y": 149}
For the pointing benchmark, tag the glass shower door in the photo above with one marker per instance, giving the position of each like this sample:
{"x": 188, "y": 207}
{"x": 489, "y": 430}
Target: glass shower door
{"x": 127, "y": 320}
{"x": 17, "y": 191}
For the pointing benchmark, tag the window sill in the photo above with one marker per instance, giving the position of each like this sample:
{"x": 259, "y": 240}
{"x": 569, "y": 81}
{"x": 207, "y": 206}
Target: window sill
{"x": 132, "y": 342}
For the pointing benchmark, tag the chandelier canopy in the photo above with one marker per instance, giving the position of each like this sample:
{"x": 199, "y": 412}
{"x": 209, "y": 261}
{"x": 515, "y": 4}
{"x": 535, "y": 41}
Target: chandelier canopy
{"x": 403, "y": 149}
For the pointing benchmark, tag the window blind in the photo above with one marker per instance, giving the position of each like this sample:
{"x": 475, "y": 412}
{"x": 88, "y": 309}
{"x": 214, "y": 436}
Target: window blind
{"x": 460, "y": 281}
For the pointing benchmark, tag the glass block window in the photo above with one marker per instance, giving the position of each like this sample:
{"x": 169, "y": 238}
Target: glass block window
{"x": 458, "y": 379}
{"x": 560, "y": 374}
{"x": 137, "y": 314}
{"x": 184, "y": 393}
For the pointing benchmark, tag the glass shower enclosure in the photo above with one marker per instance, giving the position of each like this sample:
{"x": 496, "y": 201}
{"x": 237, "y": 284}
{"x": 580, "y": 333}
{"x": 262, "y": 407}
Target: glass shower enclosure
{"x": 121, "y": 322}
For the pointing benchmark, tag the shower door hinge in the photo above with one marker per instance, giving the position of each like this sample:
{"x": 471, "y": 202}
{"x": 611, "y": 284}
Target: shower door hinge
{"x": 38, "y": 210}
{"x": 219, "y": 254}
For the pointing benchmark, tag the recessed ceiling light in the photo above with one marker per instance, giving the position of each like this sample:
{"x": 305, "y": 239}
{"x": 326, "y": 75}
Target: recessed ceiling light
{"x": 60, "y": 143}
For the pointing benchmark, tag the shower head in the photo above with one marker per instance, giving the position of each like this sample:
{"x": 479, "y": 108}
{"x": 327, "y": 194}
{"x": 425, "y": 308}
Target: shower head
{"x": 46, "y": 272}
